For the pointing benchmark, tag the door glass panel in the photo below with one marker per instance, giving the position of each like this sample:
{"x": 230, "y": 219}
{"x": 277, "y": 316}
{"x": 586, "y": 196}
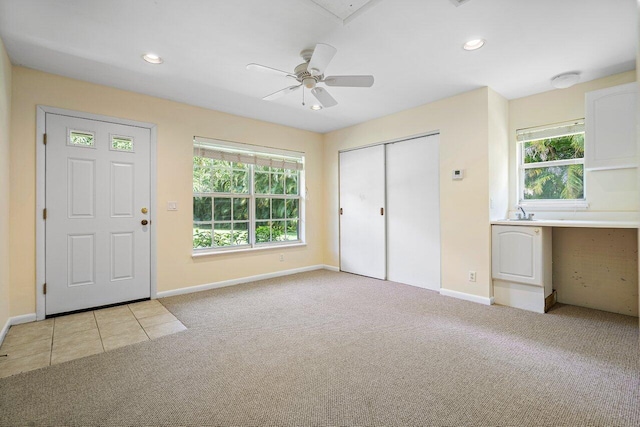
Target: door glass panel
{"x": 121, "y": 143}
{"x": 81, "y": 138}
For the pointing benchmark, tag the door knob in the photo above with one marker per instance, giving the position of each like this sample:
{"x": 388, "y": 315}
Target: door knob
{"x": 144, "y": 222}
{"x": 144, "y": 210}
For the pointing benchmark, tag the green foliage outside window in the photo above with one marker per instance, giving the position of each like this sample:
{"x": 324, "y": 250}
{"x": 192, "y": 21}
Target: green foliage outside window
{"x": 222, "y": 198}
{"x": 554, "y": 182}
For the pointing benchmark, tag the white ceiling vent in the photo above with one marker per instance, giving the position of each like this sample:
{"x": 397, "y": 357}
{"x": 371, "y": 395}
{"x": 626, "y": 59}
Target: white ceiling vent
{"x": 457, "y": 3}
{"x": 345, "y": 10}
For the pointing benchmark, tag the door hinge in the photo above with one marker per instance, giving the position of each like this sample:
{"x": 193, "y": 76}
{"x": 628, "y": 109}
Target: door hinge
{"x": 340, "y": 211}
{"x": 44, "y": 139}
{"x": 381, "y": 211}
{"x": 44, "y": 213}
{"x": 44, "y": 289}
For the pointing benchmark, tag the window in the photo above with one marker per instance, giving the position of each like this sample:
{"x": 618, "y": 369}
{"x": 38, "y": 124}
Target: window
{"x": 551, "y": 163}
{"x": 244, "y": 198}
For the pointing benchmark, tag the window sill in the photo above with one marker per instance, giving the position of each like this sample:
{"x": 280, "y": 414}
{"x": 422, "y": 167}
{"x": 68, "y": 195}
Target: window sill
{"x": 213, "y": 252}
{"x": 554, "y": 205}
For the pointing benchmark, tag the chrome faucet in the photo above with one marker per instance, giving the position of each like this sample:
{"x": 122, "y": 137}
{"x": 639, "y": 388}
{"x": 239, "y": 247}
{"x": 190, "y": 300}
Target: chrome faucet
{"x": 524, "y": 215}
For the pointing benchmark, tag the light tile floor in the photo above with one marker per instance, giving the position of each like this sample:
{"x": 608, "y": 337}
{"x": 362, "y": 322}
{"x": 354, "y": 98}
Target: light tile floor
{"x": 36, "y": 345}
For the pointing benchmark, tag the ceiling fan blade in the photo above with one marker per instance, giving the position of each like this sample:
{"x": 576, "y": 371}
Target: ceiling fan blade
{"x": 265, "y": 69}
{"x": 323, "y": 97}
{"x": 322, "y": 55}
{"x": 281, "y": 92}
{"x": 349, "y": 81}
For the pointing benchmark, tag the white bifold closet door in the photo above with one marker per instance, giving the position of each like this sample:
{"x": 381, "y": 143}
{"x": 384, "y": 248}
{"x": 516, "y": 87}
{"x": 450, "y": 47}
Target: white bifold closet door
{"x": 362, "y": 223}
{"x": 390, "y": 212}
{"x": 413, "y": 212}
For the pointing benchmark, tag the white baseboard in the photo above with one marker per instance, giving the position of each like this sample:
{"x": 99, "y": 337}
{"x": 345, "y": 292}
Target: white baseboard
{"x": 232, "y": 282}
{"x": 16, "y": 320}
{"x": 331, "y": 268}
{"x": 466, "y": 297}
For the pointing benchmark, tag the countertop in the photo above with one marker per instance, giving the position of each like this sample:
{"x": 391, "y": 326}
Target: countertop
{"x": 568, "y": 223}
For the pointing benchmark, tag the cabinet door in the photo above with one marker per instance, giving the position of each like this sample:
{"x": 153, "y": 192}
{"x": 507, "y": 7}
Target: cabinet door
{"x": 362, "y": 223}
{"x": 517, "y": 254}
{"x": 610, "y": 128}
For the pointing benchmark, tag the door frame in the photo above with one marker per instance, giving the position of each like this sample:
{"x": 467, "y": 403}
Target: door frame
{"x": 41, "y": 111}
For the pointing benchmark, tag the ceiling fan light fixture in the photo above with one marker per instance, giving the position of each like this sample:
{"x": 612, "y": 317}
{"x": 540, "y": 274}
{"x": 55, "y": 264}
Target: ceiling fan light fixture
{"x": 309, "y": 82}
{"x": 563, "y": 81}
{"x": 152, "y": 58}
{"x": 316, "y": 107}
{"x": 474, "y": 44}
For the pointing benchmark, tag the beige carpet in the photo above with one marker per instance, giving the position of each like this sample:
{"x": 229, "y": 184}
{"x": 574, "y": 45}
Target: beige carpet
{"x": 333, "y": 349}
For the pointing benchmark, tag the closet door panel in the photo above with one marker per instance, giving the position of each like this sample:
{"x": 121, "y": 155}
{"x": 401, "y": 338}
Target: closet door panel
{"x": 413, "y": 212}
{"x": 362, "y": 227}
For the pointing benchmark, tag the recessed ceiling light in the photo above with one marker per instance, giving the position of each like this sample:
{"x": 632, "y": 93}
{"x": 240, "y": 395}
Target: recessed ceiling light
{"x": 316, "y": 107}
{"x": 565, "y": 80}
{"x": 473, "y": 44}
{"x": 152, "y": 58}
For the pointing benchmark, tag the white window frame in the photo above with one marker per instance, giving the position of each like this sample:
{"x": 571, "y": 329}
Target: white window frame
{"x": 263, "y": 155}
{"x": 549, "y": 131}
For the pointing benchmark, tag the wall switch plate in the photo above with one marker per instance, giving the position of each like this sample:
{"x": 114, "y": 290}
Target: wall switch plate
{"x": 457, "y": 174}
{"x": 172, "y": 206}
{"x": 472, "y": 276}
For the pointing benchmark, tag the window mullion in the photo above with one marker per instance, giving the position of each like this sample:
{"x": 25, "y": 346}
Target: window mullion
{"x": 252, "y": 208}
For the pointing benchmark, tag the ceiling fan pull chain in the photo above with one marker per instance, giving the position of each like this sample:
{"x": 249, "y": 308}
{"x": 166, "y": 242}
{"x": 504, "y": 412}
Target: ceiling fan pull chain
{"x": 303, "y": 97}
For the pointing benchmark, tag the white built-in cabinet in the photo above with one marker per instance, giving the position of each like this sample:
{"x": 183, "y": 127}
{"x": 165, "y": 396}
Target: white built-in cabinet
{"x": 610, "y": 128}
{"x": 521, "y": 266}
{"x": 390, "y": 212}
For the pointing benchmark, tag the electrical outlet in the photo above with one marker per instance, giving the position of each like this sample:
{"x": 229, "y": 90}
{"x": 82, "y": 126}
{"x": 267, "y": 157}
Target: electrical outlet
{"x": 281, "y": 257}
{"x": 472, "y": 276}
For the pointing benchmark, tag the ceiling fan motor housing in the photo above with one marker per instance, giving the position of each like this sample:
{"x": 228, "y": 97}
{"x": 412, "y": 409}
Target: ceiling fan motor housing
{"x": 305, "y": 77}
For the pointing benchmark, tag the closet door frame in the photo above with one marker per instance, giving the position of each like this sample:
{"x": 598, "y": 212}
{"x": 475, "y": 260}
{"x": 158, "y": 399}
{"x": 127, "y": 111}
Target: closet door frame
{"x": 383, "y": 143}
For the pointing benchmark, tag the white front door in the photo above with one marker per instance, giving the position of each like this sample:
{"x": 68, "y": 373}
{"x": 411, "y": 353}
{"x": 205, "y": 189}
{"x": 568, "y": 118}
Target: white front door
{"x": 97, "y": 201}
{"x": 362, "y": 222}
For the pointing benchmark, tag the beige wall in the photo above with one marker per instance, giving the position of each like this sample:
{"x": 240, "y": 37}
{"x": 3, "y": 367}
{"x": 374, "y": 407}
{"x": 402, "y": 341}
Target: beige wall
{"x": 177, "y": 124}
{"x": 5, "y": 121}
{"x": 476, "y": 134}
{"x": 609, "y": 193}
{"x": 462, "y": 122}
{"x": 498, "y": 156}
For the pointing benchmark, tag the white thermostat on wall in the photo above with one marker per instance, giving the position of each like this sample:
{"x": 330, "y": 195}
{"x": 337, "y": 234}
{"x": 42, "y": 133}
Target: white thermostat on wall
{"x": 457, "y": 174}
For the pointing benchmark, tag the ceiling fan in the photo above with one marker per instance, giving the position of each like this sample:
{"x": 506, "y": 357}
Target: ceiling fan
{"x": 311, "y": 72}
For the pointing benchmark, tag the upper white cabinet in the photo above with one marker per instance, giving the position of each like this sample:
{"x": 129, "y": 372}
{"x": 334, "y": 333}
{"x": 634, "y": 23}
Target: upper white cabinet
{"x": 610, "y": 128}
